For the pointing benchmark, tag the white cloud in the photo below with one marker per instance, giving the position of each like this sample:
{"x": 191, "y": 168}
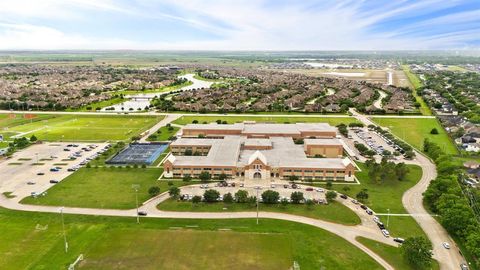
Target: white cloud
{"x": 245, "y": 24}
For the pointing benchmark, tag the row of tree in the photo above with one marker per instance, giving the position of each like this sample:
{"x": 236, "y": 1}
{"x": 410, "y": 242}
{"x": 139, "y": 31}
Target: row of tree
{"x": 386, "y": 171}
{"x": 444, "y": 197}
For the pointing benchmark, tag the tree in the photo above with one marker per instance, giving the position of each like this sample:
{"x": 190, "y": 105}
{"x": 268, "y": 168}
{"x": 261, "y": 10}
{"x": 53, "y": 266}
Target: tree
{"x": 473, "y": 244}
{"x": 241, "y": 196}
{"x": 196, "y": 199}
{"x": 417, "y": 252}
{"x": 293, "y": 178}
{"x": 154, "y": 191}
{"x": 401, "y": 171}
{"x": 187, "y": 178}
{"x": 309, "y": 203}
{"x": 329, "y": 184}
{"x": 33, "y": 138}
{"x": 270, "y": 197}
{"x": 222, "y": 176}
{"x": 330, "y": 195}
{"x": 174, "y": 192}
{"x": 296, "y": 197}
{"x": 188, "y": 152}
{"x": 362, "y": 195}
{"x": 434, "y": 131}
{"x": 228, "y": 198}
{"x": 211, "y": 195}
{"x": 205, "y": 176}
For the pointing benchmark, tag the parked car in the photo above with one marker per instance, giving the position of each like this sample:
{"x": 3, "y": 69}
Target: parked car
{"x": 320, "y": 190}
{"x": 386, "y": 233}
{"x": 370, "y": 212}
{"x": 399, "y": 240}
{"x": 40, "y": 173}
{"x": 285, "y": 186}
{"x": 53, "y": 181}
{"x": 66, "y": 149}
{"x": 463, "y": 266}
{"x": 309, "y": 189}
{"x": 446, "y": 245}
{"x": 142, "y": 213}
{"x": 381, "y": 226}
{"x": 343, "y": 196}
{"x": 272, "y": 186}
{"x": 364, "y": 207}
{"x": 30, "y": 183}
{"x": 355, "y": 201}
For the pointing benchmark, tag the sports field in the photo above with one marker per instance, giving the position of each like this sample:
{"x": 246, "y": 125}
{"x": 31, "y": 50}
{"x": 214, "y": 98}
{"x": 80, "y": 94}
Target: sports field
{"x": 281, "y": 119}
{"x": 82, "y": 127}
{"x": 415, "y": 130}
{"x": 334, "y": 212}
{"x": 103, "y": 188}
{"x": 35, "y": 241}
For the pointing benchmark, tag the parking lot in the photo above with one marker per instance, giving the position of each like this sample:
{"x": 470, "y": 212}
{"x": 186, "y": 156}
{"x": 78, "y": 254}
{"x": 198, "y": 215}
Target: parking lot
{"x": 284, "y": 190}
{"x": 372, "y": 140}
{"x": 35, "y": 169}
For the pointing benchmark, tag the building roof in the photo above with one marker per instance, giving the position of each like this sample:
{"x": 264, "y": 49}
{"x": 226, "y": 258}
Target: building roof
{"x": 322, "y": 142}
{"x": 257, "y": 142}
{"x": 257, "y": 155}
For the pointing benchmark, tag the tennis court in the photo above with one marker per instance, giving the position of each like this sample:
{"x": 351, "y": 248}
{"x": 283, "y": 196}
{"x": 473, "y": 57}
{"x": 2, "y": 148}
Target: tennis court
{"x": 139, "y": 153}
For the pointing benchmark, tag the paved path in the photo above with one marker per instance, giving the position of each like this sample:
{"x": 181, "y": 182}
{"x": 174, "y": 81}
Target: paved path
{"x": 168, "y": 119}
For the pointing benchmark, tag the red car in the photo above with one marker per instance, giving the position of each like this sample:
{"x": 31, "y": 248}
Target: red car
{"x": 309, "y": 189}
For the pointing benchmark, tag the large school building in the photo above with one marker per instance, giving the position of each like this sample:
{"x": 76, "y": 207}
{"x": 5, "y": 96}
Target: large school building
{"x": 260, "y": 151}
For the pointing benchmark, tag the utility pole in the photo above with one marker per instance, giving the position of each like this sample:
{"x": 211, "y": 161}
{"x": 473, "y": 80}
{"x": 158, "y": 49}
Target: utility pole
{"x": 135, "y": 187}
{"x": 63, "y": 229}
{"x": 388, "y": 217}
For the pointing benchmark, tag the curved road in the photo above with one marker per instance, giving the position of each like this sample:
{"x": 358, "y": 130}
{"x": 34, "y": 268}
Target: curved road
{"x": 412, "y": 200}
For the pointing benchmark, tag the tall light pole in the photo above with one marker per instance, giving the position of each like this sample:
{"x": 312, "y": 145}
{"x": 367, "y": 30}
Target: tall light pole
{"x": 258, "y": 202}
{"x": 63, "y": 229}
{"x": 135, "y": 187}
{"x": 388, "y": 217}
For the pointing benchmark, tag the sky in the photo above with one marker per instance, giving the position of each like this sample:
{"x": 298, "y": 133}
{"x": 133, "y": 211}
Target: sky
{"x": 239, "y": 24}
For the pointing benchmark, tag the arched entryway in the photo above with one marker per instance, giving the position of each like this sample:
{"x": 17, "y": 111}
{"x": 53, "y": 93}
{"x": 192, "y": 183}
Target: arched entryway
{"x": 257, "y": 175}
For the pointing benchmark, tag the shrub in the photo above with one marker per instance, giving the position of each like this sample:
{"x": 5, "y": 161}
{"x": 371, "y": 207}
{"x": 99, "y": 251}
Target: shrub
{"x": 154, "y": 191}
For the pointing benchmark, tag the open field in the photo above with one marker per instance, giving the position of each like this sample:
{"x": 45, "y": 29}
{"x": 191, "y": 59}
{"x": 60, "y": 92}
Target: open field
{"x": 35, "y": 241}
{"x": 334, "y": 212}
{"x": 416, "y": 83}
{"x": 163, "y": 134}
{"x": 415, "y": 130}
{"x": 100, "y": 104}
{"x": 290, "y": 119}
{"x": 159, "y": 90}
{"x": 84, "y": 127}
{"x": 391, "y": 254}
{"x": 103, "y": 188}
{"x": 388, "y": 196}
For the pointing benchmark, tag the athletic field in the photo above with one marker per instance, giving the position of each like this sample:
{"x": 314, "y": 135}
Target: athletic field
{"x": 78, "y": 127}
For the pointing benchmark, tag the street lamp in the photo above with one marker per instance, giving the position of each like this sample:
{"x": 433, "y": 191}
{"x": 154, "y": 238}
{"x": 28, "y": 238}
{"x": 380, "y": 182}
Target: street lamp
{"x": 63, "y": 229}
{"x": 388, "y": 216}
{"x": 257, "y": 188}
{"x": 135, "y": 187}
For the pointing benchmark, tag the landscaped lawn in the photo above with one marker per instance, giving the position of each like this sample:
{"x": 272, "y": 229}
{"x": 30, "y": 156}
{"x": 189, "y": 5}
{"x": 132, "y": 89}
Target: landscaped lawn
{"x": 274, "y": 119}
{"x": 87, "y": 127}
{"x": 103, "y": 188}
{"x": 388, "y": 196}
{"x": 163, "y": 134}
{"x": 101, "y": 104}
{"x": 11, "y": 120}
{"x": 35, "y": 241}
{"x": 391, "y": 254}
{"x": 334, "y": 212}
{"x": 415, "y": 130}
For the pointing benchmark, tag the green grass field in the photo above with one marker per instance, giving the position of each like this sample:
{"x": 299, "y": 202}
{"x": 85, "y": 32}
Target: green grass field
{"x": 11, "y": 120}
{"x": 290, "y": 119}
{"x": 416, "y": 83}
{"x": 85, "y": 127}
{"x": 388, "y": 196}
{"x": 415, "y": 130}
{"x": 103, "y": 188}
{"x": 334, "y": 212}
{"x": 100, "y": 104}
{"x": 35, "y": 241}
{"x": 391, "y": 254}
{"x": 159, "y": 90}
{"x": 163, "y": 134}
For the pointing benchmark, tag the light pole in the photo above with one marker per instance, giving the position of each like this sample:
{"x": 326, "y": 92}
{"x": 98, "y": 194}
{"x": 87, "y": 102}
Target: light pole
{"x": 388, "y": 216}
{"x": 257, "y": 188}
{"x": 63, "y": 229}
{"x": 135, "y": 187}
